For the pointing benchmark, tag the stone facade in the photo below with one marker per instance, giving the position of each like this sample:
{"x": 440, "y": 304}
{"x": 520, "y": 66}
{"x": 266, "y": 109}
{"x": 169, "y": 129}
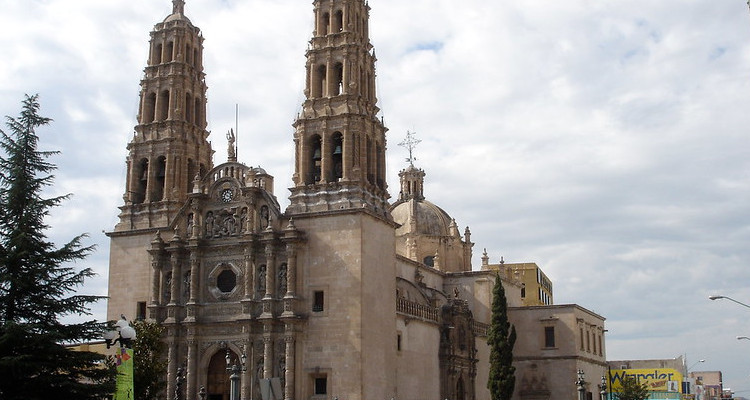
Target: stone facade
{"x": 341, "y": 295}
{"x": 557, "y": 341}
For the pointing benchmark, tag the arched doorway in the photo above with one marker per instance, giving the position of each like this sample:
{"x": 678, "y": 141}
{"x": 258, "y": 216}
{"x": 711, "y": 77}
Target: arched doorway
{"x": 460, "y": 392}
{"x": 217, "y": 379}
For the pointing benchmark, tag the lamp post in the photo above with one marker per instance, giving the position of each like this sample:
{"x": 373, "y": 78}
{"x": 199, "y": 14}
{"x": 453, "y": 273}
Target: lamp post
{"x": 603, "y": 388}
{"x": 716, "y": 297}
{"x": 581, "y": 383}
{"x": 234, "y": 378}
{"x": 743, "y": 337}
{"x": 124, "y": 334}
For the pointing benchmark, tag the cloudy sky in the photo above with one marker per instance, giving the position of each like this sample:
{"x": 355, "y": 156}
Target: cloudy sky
{"x": 607, "y": 141}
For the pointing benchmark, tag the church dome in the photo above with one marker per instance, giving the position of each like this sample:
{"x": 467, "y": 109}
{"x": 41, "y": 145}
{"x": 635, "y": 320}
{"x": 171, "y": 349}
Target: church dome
{"x": 428, "y": 218}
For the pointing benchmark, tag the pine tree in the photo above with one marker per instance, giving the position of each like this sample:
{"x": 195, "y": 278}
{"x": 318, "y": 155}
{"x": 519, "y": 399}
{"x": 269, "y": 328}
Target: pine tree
{"x": 37, "y": 280}
{"x": 501, "y": 339}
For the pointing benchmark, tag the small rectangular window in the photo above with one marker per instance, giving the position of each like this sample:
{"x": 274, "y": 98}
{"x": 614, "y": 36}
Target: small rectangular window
{"x": 321, "y": 386}
{"x": 398, "y": 342}
{"x": 140, "y": 313}
{"x": 318, "y": 301}
{"x": 549, "y": 336}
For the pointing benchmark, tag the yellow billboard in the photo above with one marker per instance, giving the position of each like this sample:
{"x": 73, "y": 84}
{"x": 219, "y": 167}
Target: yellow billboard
{"x": 656, "y": 379}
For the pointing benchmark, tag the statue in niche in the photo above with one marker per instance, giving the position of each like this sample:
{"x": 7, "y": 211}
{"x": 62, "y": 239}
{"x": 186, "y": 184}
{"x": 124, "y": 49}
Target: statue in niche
{"x": 209, "y": 225}
{"x": 259, "y": 366}
{"x": 243, "y": 220}
{"x": 262, "y": 280}
{"x": 167, "y": 287}
{"x": 264, "y": 217}
{"x": 186, "y": 286}
{"x": 189, "y": 226}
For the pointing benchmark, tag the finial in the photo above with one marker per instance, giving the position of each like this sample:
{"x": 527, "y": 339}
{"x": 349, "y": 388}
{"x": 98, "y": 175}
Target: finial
{"x": 410, "y": 143}
{"x": 178, "y": 7}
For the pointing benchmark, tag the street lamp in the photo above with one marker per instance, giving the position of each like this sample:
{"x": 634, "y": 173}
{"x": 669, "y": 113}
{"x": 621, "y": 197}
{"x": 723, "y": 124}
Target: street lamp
{"x": 694, "y": 364}
{"x": 580, "y": 382}
{"x": 603, "y": 388}
{"x": 743, "y": 337}
{"x": 716, "y": 297}
{"x": 124, "y": 334}
{"x": 234, "y": 378}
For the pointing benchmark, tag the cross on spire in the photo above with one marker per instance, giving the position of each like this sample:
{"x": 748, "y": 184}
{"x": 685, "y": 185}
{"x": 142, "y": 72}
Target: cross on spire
{"x": 410, "y": 143}
{"x": 178, "y": 7}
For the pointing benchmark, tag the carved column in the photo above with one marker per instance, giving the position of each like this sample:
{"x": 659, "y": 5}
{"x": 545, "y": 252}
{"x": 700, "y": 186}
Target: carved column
{"x": 289, "y": 361}
{"x": 195, "y": 264}
{"x": 176, "y": 278}
{"x": 171, "y": 367}
{"x": 291, "y": 271}
{"x": 192, "y": 370}
{"x": 249, "y": 271}
{"x": 155, "y": 279}
{"x": 270, "y": 271}
{"x": 267, "y": 353}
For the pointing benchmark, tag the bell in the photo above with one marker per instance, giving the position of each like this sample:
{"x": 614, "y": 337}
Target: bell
{"x": 337, "y": 150}
{"x": 316, "y": 154}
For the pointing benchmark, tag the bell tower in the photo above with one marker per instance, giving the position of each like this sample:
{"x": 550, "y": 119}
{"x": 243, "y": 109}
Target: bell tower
{"x": 170, "y": 143}
{"x": 168, "y": 150}
{"x": 339, "y": 140}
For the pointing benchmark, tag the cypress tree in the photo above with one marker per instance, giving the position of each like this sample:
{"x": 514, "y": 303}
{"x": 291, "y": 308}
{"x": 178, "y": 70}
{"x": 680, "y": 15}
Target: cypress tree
{"x": 501, "y": 339}
{"x": 37, "y": 280}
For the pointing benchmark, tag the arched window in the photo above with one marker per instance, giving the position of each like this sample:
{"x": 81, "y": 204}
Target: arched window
{"x": 161, "y": 169}
{"x": 197, "y": 118}
{"x": 318, "y": 81}
{"x": 149, "y": 108}
{"x": 316, "y": 159}
{"x": 325, "y": 23}
{"x": 169, "y": 56}
{"x": 141, "y": 174}
{"x": 156, "y": 55}
{"x": 196, "y": 61}
{"x": 164, "y": 105}
{"x": 188, "y": 54}
{"x": 338, "y": 22}
{"x": 189, "y": 117}
{"x": 337, "y": 80}
{"x": 429, "y": 261}
{"x": 337, "y": 156}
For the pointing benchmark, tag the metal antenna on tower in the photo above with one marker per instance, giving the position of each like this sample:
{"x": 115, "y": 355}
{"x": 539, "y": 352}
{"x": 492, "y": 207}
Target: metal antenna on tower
{"x": 410, "y": 143}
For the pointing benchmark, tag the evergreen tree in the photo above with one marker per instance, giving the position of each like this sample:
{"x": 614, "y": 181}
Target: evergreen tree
{"x": 501, "y": 339}
{"x": 632, "y": 390}
{"x": 150, "y": 362}
{"x": 37, "y": 279}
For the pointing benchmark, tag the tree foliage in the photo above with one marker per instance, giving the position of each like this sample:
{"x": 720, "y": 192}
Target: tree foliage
{"x": 37, "y": 280}
{"x": 150, "y": 362}
{"x": 501, "y": 339}
{"x": 632, "y": 390}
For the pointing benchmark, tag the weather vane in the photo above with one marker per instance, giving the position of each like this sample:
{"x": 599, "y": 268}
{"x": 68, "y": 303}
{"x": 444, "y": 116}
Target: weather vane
{"x": 410, "y": 143}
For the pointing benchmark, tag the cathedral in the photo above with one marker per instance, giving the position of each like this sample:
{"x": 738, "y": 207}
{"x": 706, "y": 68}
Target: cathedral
{"x": 345, "y": 294}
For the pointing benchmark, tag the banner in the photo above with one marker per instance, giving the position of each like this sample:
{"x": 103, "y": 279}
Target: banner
{"x": 124, "y": 388}
{"x": 656, "y": 379}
